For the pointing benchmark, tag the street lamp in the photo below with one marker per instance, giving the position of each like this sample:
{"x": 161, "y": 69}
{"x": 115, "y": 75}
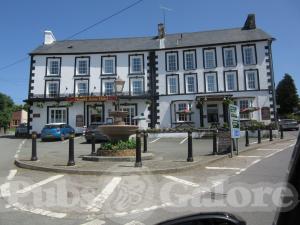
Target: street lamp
{"x": 119, "y": 85}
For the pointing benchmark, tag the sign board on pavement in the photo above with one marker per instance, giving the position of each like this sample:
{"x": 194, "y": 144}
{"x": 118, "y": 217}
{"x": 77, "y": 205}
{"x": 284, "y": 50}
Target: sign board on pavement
{"x": 234, "y": 112}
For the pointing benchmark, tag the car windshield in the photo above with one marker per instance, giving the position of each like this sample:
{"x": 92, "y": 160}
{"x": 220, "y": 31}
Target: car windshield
{"x": 289, "y": 121}
{"x": 51, "y": 126}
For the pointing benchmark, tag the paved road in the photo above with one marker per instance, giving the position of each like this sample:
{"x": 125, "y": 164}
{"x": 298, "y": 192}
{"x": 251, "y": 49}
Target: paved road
{"x": 33, "y": 197}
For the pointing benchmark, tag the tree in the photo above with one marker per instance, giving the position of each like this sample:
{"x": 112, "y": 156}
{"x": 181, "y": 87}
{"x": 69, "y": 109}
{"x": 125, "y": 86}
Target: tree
{"x": 6, "y": 109}
{"x": 286, "y": 95}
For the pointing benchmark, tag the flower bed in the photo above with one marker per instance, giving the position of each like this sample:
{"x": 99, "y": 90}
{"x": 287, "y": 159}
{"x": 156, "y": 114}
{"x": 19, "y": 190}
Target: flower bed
{"x": 120, "y": 148}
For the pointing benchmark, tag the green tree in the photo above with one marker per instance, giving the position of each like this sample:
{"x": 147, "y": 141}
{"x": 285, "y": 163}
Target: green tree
{"x": 286, "y": 95}
{"x": 6, "y": 109}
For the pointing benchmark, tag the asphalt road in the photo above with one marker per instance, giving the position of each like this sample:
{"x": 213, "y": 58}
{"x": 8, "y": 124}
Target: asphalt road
{"x": 33, "y": 197}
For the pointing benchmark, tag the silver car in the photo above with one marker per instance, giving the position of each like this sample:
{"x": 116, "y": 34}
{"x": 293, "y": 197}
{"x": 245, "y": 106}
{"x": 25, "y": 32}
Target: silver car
{"x": 289, "y": 124}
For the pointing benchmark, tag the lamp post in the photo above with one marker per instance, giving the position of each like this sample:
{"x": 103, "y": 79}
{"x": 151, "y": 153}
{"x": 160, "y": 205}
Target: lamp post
{"x": 119, "y": 85}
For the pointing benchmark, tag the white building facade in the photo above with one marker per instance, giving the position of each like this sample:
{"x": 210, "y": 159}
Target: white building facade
{"x": 172, "y": 79}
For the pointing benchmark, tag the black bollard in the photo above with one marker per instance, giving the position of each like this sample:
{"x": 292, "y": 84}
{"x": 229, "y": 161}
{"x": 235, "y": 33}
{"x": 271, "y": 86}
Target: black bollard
{"x": 138, "y": 152}
{"x": 215, "y": 144}
{"x": 258, "y": 136}
{"x": 247, "y": 137}
{"x": 271, "y": 134}
{"x": 33, "y": 152}
{"x": 190, "y": 147}
{"x": 281, "y": 132}
{"x": 93, "y": 145}
{"x": 71, "y": 161}
{"x": 145, "y": 141}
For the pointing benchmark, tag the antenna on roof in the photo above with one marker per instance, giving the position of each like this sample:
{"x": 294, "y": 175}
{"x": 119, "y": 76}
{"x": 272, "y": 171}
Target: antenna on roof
{"x": 164, "y": 9}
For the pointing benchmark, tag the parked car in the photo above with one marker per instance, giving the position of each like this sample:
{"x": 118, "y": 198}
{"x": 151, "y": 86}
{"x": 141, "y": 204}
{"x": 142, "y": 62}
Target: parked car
{"x": 21, "y": 130}
{"x": 289, "y": 124}
{"x": 92, "y": 128}
{"x": 55, "y": 131}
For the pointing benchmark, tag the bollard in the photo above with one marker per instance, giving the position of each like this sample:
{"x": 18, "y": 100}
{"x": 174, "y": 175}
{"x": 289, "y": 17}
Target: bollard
{"x": 247, "y": 137}
{"x": 281, "y": 132}
{"x": 258, "y": 136}
{"x": 138, "y": 153}
{"x": 145, "y": 141}
{"x": 271, "y": 134}
{"x": 231, "y": 147}
{"x": 93, "y": 145}
{"x": 190, "y": 147}
{"x": 215, "y": 144}
{"x": 33, "y": 152}
{"x": 71, "y": 161}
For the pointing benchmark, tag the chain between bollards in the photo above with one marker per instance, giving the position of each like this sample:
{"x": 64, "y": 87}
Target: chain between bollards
{"x": 93, "y": 145}
{"x": 33, "y": 152}
{"x": 247, "y": 137}
{"x": 190, "y": 147}
{"x": 258, "y": 136}
{"x": 215, "y": 142}
{"x": 71, "y": 161}
{"x": 138, "y": 152}
{"x": 281, "y": 132}
{"x": 145, "y": 136}
{"x": 271, "y": 134}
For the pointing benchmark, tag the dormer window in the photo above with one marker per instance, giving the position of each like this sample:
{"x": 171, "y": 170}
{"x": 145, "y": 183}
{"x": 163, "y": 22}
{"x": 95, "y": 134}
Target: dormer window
{"x": 82, "y": 66}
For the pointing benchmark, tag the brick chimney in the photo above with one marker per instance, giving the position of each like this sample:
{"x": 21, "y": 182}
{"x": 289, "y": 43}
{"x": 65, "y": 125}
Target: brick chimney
{"x": 48, "y": 37}
{"x": 250, "y": 22}
{"x": 161, "y": 30}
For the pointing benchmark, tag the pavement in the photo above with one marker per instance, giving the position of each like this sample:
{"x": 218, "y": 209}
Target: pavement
{"x": 170, "y": 156}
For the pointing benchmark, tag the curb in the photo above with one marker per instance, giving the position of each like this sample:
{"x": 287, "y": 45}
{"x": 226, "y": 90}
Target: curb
{"x": 144, "y": 171}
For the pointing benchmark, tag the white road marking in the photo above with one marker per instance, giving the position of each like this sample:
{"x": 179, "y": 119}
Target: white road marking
{"x": 183, "y": 140}
{"x": 292, "y": 145}
{"x": 95, "y": 222}
{"x": 254, "y": 142}
{"x": 12, "y": 174}
{"x": 19, "y": 149}
{"x": 31, "y": 187}
{"x": 268, "y": 149}
{"x": 178, "y": 180}
{"x": 248, "y": 156}
{"x": 38, "y": 211}
{"x": 98, "y": 202}
{"x": 134, "y": 222}
{"x": 5, "y": 190}
{"x": 222, "y": 168}
{"x": 155, "y": 140}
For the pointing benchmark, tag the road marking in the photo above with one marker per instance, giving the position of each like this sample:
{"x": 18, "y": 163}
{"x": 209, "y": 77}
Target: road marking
{"x": 269, "y": 149}
{"x": 222, "y": 168}
{"x": 12, "y": 174}
{"x": 183, "y": 140}
{"x": 98, "y": 202}
{"x": 5, "y": 190}
{"x": 134, "y": 222}
{"x": 19, "y": 148}
{"x": 181, "y": 181}
{"x": 254, "y": 142}
{"x": 38, "y": 211}
{"x": 155, "y": 140}
{"x": 248, "y": 156}
{"x": 292, "y": 145}
{"x": 95, "y": 222}
{"x": 31, "y": 187}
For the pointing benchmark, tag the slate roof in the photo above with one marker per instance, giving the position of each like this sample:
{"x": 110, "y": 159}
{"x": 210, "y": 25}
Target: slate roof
{"x": 151, "y": 43}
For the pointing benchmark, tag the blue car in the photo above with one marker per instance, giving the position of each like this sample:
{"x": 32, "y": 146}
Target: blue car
{"x": 56, "y": 131}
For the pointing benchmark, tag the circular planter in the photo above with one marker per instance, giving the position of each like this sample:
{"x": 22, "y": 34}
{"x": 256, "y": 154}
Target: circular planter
{"x": 125, "y": 152}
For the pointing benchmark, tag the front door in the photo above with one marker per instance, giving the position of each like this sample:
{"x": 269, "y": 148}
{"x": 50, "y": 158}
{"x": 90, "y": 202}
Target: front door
{"x": 95, "y": 114}
{"x": 212, "y": 113}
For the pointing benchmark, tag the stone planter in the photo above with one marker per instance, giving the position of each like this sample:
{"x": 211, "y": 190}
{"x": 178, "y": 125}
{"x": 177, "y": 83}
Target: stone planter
{"x": 125, "y": 152}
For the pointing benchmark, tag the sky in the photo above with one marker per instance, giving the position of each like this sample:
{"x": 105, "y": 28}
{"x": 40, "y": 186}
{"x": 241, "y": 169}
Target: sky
{"x": 22, "y": 25}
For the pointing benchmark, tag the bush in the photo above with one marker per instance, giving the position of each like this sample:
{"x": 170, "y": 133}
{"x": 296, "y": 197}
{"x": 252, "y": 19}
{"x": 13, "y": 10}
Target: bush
{"x": 254, "y": 125}
{"x": 120, "y": 145}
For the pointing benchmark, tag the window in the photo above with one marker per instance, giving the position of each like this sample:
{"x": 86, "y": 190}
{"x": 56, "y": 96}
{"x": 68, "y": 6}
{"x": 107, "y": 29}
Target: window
{"x": 52, "y": 89}
{"x": 82, "y": 87}
{"x": 265, "y": 113}
{"x": 136, "y": 64}
{"x": 190, "y": 83}
{"x": 58, "y": 115}
{"x": 209, "y": 58}
{"x": 231, "y": 81}
{"x": 182, "y": 108}
{"x": 137, "y": 86}
{"x": 244, "y": 104}
{"x": 82, "y": 66}
{"x": 109, "y": 87}
{"x": 211, "y": 82}
{"x": 251, "y": 79}
{"x": 172, "y": 61}
{"x": 109, "y": 65}
{"x": 172, "y": 84}
{"x": 249, "y": 55}
{"x": 189, "y": 60}
{"x": 131, "y": 109}
{"x": 53, "y": 66}
{"x": 229, "y": 56}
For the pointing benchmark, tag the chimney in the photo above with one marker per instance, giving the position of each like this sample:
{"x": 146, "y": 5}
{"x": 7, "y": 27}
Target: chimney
{"x": 48, "y": 37}
{"x": 161, "y": 30}
{"x": 250, "y": 22}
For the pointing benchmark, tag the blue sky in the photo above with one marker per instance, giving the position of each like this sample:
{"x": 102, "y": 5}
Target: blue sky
{"x": 23, "y": 22}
